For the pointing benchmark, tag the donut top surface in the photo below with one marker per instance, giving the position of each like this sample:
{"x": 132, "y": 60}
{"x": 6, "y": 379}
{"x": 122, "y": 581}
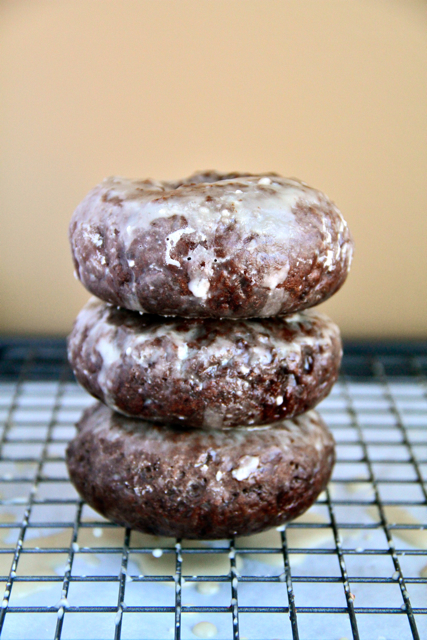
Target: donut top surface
{"x": 213, "y": 245}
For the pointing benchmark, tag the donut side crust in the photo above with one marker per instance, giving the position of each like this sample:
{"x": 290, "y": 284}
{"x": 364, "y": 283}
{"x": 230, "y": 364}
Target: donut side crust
{"x": 205, "y": 373}
{"x": 196, "y": 484}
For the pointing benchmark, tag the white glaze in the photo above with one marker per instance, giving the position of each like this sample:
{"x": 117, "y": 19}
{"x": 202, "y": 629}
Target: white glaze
{"x": 263, "y": 207}
{"x": 248, "y": 465}
{"x": 265, "y": 213}
{"x": 171, "y": 241}
{"x": 204, "y": 630}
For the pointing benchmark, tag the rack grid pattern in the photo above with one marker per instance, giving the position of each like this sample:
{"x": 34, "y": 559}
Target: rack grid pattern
{"x": 355, "y": 568}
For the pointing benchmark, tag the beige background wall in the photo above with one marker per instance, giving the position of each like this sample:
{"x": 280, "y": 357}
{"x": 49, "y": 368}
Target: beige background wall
{"x": 331, "y": 91}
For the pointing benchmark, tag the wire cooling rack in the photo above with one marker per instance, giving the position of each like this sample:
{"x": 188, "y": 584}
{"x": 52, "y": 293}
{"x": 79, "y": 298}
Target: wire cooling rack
{"x": 355, "y": 566}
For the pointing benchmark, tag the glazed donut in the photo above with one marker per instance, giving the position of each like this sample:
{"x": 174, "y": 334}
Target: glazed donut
{"x": 199, "y": 484}
{"x": 213, "y": 245}
{"x": 204, "y": 373}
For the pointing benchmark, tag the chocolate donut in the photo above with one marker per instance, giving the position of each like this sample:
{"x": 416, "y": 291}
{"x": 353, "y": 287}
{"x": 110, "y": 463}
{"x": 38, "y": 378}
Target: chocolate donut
{"x": 214, "y": 245}
{"x": 199, "y": 484}
{"x": 204, "y": 373}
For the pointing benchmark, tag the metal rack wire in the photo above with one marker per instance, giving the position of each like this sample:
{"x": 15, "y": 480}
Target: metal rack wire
{"x": 356, "y": 568}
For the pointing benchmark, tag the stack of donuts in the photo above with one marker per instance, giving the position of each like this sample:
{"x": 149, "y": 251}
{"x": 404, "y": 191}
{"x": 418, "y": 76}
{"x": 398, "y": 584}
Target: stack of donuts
{"x": 203, "y": 351}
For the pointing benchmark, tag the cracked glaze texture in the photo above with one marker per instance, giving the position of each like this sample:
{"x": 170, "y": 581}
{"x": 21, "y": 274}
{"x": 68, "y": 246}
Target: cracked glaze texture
{"x": 204, "y": 373}
{"x": 214, "y": 245}
{"x": 199, "y": 484}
